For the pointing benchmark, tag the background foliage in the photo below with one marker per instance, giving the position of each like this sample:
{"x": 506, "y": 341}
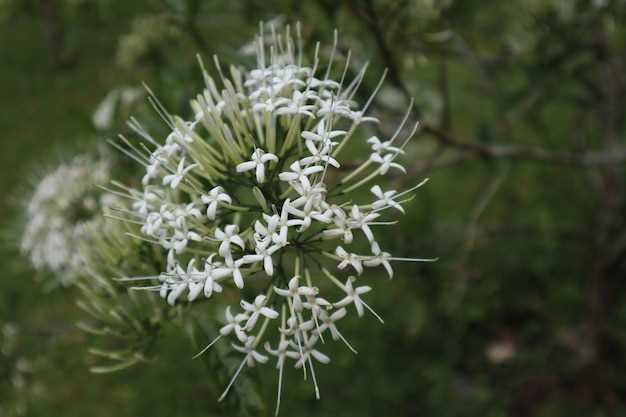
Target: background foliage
{"x": 523, "y": 136}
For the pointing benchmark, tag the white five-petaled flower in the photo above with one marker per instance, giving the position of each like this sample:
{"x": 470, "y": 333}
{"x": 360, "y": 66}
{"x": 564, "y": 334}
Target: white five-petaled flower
{"x": 213, "y": 199}
{"x": 281, "y": 352}
{"x": 349, "y": 259}
{"x": 316, "y": 304}
{"x": 180, "y": 284}
{"x": 319, "y": 155}
{"x": 252, "y": 356}
{"x": 327, "y": 322}
{"x": 180, "y": 240}
{"x": 386, "y": 162}
{"x": 342, "y": 226}
{"x": 258, "y": 159}
{"x": 379, "y": 258}
{"x": 174, "y": 179}
{"x": 256, "y": 309}
{"x": 297, "y": 105}
{"x": 334, "y": 105}
{"x": 359, "y": 117}
{"x": 148, "y": 200}
{"x": 307, "y": 350}
{"x": 321, "y": 135}
{"x": 300, "y": 174}
{"x": 210, "y": 282}
{"x": 361, "y": 220}
{"x": 233, "y": 324}
{"x": 264, "y": 251}
{"x": 381, "y": 147}
{"x": 353, "y": 296}
{"x": 294, "y": 291}
{"x": 232, "y": 268}
{"x": 227, "y": 237}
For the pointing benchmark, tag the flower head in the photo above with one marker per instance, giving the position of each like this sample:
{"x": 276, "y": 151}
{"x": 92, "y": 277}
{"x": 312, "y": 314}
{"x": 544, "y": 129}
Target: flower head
{"x": 252, "y": 190}
{"x": 65, "y": 203}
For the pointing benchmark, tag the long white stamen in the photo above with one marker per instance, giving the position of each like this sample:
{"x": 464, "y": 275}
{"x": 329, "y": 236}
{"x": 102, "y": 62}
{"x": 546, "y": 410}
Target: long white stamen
{"x": 373, "y": 312}
{"x": 317, "y": 389}
{"x": 414, "y": 259}
{"x": 207, "y": 347}
{"x": 232, "y": 381}
{"x": 280, "y": 386}
{"x": 347, "y": 343}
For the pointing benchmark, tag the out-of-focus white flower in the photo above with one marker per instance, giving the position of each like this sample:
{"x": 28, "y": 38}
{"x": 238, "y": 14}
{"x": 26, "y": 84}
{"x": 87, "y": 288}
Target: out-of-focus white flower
{"x": 174, "y": 179}
{"x": 380, "y": 147}
{"x": 64, "y": 205}
{"x": 386, "y": 162}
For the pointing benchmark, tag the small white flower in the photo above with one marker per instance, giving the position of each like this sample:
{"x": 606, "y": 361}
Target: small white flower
{"x": 327, "y": 322}
{"x": 307, "y": 350}
{"x": 334, "y": 106}
{"x": 379, "y": 258}
{"x": 213, "y": 199}
{"x": 361, "y": 220}
{"x": 311, "y": 198}
{"x": 210, "y": 281}
{"x": 269, "y": 105}
{"x": 196, "y": 281}
{"x": 306, "y": 217}
{"x": 295, "y": 291}
{"x": 277, "y": 226}
{"x": 342, "y": 228}
{"x": 152, "y": 225}
{"x": 359, "y": 117}
{"x": 353, "y": 296}
{"x": 252, "y": 356}
{"x": 281, "y": 352}
{"x": 147, "y": 202}
{"x": 180, "y": 240}
{"x": 321, "y": 135}
{"x": 319, "y": 156}
{"x": 349, "y": 259}
{"x": 324, "y": 84}
{"x": 380, "y": 147}
{"x": 316, "y": 304}
{"x": 300, "y": 174}
{"x": 174, "y": 179}
{"x": 258, "y": 159}
{"x": 385, "y": 199}
{"x": 227, "y": 237}
{"x": 386, "y": 162}
{"x": 233, "y": 325}
{"x": 232, "y": 268}
{"x": 256, "y": 309}
{"x": 264, "y": 251}
{"x": 296, "y": 106}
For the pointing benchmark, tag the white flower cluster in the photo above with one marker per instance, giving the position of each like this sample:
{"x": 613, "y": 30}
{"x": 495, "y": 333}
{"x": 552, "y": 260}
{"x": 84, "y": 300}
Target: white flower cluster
{"x": 251, "y": 193}
{"x": 63, "y": 202}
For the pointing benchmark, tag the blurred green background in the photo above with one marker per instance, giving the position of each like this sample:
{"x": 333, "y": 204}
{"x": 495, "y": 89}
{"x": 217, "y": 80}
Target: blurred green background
{"x": 523, "y": 103}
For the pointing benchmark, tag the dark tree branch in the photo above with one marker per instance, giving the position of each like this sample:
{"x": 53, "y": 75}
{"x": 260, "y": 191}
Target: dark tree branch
{"x": 615, "y": 155}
